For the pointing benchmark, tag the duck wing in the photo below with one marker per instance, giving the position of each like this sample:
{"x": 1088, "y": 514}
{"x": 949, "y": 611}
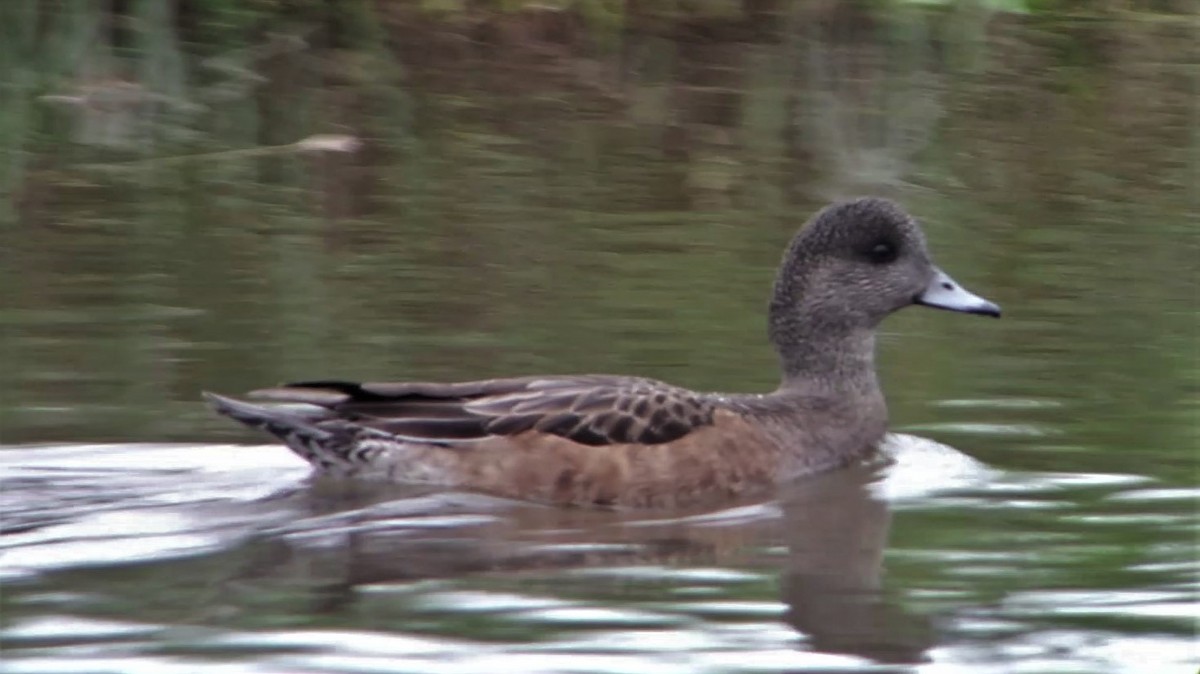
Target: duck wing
{"x": 591, "y": 410}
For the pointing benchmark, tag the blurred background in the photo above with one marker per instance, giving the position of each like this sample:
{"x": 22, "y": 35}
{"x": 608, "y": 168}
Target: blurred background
{"x": 227, "y": 194}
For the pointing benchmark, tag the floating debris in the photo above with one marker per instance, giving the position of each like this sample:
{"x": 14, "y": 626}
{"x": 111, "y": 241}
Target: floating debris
{"x": 329, "y": 142}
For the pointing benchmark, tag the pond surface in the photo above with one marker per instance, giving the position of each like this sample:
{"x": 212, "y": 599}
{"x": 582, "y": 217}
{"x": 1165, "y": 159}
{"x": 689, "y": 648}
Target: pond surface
{"x": 219, "y": 199}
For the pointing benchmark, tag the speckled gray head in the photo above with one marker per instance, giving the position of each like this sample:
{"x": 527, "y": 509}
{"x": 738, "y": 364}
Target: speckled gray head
{"x": 849, "y": 267}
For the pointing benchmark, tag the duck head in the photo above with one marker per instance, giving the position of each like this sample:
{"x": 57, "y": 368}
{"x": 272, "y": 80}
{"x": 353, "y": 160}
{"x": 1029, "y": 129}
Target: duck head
{"x": 850, "y": 266}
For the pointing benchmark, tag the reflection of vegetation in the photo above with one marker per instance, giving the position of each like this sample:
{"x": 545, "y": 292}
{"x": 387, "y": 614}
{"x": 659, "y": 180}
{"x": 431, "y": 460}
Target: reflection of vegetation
{"x": 535, "y": 192}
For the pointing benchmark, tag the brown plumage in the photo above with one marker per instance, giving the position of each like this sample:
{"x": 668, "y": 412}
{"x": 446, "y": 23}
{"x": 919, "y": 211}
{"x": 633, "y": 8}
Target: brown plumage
{"x": 615, "y": 440}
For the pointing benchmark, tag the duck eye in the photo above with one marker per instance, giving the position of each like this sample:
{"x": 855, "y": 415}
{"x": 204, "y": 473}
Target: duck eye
{"x": 882, "y": 252}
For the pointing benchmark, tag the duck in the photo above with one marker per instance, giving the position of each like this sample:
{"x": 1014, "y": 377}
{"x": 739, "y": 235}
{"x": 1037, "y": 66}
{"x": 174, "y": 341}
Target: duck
{"x": 621, "y": 441}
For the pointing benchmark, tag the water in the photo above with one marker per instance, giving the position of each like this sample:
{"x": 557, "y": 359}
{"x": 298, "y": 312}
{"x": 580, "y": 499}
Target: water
{"x": 539, "y": 192}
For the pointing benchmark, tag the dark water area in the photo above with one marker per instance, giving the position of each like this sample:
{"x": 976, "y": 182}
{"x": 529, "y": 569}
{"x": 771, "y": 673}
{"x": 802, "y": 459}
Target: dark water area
{"x": 221, "y": 196}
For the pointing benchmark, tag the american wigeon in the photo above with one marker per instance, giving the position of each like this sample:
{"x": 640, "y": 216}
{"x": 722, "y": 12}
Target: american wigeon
{"x": 629, "y": 441}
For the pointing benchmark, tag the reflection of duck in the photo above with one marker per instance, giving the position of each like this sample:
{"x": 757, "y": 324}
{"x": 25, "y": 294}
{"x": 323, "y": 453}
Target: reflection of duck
{"x": 836, "y": 534}
{"x": 611, "y": 440}
{"x": 833, "y": 530}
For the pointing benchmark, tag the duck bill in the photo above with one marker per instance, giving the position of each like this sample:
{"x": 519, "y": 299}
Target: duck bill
{"x": 944, "y": 292}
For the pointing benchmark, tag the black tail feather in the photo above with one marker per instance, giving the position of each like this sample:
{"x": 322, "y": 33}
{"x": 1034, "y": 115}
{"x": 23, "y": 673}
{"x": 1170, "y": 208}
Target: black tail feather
{"x": 275, "y": 421}
{"x": 313, "y": 443}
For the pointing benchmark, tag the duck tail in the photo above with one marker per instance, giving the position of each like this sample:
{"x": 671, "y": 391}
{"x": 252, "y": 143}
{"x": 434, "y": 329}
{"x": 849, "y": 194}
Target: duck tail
{"x": 312, "y": 443}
